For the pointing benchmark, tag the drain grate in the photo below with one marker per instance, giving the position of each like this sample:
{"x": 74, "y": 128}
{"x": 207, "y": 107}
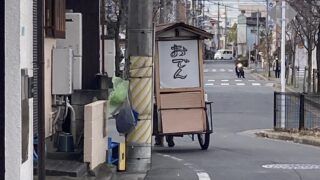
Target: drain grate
{"x": 291, "y": 166}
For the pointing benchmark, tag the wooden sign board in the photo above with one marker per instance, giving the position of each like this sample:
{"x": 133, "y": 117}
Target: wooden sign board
{"x": 179, "y": 64}
{"x": 179, "y": 86}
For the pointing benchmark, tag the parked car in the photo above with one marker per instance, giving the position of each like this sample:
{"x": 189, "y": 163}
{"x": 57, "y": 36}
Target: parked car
{"x": 223, "y": 54}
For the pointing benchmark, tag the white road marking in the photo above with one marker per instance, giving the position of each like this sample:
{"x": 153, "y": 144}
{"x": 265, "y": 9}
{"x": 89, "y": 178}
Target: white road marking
{"x": 222, "y": 70}
{"x": 240, "y": 84}
{"x": 206, "y": 70}
{"x": 269, "y": 84}
{"x": 172, "y": 157}
{"x": 209, "y": 84}
{"x": 214, "y": 70}
{"x": 256, "y": 84}
{"x": 211, "y": 80}
{"x": 225, "y": 84}
{"x": 238, "y": 80}
{"x": 251, "y": 80}
{"x": 203, "y": 176}
{"x": 224, "y": 80}
{"x": 230, "y": 70}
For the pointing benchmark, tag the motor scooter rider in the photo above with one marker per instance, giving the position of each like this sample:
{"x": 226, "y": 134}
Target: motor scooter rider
{"x": 239, "y": 67}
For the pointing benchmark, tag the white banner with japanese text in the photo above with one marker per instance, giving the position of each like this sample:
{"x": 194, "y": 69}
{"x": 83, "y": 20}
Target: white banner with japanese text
{"x": 179, "y": 64}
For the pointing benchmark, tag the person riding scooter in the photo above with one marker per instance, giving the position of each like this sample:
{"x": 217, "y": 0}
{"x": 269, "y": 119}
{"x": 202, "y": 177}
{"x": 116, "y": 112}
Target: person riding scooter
{"x": 240, "y": 71}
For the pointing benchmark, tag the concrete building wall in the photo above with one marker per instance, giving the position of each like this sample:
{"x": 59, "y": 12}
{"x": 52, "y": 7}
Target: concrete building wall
{"x": 12, "y": 90}
{"x": 26, "y": 56}
{"x": 18, "y": 55}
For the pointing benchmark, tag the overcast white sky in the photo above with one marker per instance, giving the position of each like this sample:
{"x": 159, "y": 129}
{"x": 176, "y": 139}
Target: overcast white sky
{"x": 232, "y": 6}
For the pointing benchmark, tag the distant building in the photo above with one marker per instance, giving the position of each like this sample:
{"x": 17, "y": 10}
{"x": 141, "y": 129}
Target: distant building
{"x": 249, "y": 31}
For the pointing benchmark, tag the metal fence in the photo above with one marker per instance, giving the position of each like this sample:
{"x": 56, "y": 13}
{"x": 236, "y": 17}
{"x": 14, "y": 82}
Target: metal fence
{"x": 296, "y": 111}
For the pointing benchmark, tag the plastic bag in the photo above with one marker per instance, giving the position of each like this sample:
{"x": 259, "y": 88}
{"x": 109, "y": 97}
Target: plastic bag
{"x": 119, "y": 93}
{"x": 126, "y": 119}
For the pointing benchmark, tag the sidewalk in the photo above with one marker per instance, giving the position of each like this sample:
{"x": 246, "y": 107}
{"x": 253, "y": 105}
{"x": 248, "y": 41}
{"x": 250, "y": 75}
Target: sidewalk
{"x": 262, "y": 75}
{"x": 105, "y": 171}
{"x": 113, "y": 133}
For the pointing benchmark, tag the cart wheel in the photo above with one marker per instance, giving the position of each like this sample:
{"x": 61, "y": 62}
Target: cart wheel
{"x": 204, "y": 140}
{"x": 170, "y": 141}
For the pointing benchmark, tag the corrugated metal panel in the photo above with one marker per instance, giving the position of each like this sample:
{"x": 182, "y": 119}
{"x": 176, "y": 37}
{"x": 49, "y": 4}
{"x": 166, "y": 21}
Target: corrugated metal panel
{"x": 35, "y": 69}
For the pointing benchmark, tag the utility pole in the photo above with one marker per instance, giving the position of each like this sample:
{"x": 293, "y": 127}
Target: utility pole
{"x": 257, "y": 41}
{"x": 268, "y": 41}
{"x": 203, "y": 14}
{"x": 218, "y": 27}
{"x": 283, "y": 65}
{"x": 140, "y": 51}
{"x": 163, "y": 4}
{"x": 225, "y": 27}
{"x": 194, "y": 12}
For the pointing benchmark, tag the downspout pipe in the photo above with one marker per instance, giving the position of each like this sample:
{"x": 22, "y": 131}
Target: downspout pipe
{"x": 40, "y": 89}
{"x": 72, "y": 122}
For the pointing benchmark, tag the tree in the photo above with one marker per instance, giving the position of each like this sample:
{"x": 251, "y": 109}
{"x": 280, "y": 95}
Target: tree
{"x": 307, "y": 25}
{"x": 232, "y": 36}
{"x": 291, "y": 47}
{"x": 117, "y": 11}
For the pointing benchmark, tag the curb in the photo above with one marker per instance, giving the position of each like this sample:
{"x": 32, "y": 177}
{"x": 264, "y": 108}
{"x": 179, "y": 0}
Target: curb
{"x": 308, "y": 140}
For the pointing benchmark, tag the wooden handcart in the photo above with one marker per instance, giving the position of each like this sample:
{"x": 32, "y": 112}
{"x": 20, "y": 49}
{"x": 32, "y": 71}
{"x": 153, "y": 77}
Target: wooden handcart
{"x": 180, "y": 107}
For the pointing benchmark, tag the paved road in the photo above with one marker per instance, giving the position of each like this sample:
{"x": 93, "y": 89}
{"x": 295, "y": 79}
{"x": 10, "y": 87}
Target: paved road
{"x": 235, "y": 153}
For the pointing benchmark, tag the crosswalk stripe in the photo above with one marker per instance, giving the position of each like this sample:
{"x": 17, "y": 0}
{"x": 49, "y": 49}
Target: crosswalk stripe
{"x": 206, "y": 70}
{"x": 209, "y": 84}
{"x": 240, "y": 84}
{"x": 222, "y": 70}
{"x": 211, "y": 80}
{"x": 251, "y": 80}
{"x": 256, "y": 84}
{"x": 224, "y": 80}
{"x": 225, "y": 84}
{"x": 214, "y": 70}
{"x": 238, "y": 80}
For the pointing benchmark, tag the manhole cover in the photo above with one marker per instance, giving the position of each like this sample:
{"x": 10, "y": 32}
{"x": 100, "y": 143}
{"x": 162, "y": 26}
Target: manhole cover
{"x": 291, "y": 166}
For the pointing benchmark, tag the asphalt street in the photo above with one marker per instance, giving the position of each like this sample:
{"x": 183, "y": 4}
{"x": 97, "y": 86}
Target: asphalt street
{"x": 241, "y": 106}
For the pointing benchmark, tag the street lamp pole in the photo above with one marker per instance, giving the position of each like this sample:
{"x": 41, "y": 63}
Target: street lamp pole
{"x": 283, "y": 65}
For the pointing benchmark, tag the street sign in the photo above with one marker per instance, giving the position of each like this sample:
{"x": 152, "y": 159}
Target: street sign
{"x": 276, "y": 11}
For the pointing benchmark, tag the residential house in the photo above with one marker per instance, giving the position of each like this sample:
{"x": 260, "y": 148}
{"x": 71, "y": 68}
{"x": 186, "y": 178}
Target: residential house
{"x": 28, "y": 105}
{"x": 249, "y": 31}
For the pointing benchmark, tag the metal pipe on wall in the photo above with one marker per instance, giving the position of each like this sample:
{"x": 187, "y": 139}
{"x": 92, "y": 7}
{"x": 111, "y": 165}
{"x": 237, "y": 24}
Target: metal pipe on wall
{"x": 39, "y": 115}
{"x": 2, "y": 97}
